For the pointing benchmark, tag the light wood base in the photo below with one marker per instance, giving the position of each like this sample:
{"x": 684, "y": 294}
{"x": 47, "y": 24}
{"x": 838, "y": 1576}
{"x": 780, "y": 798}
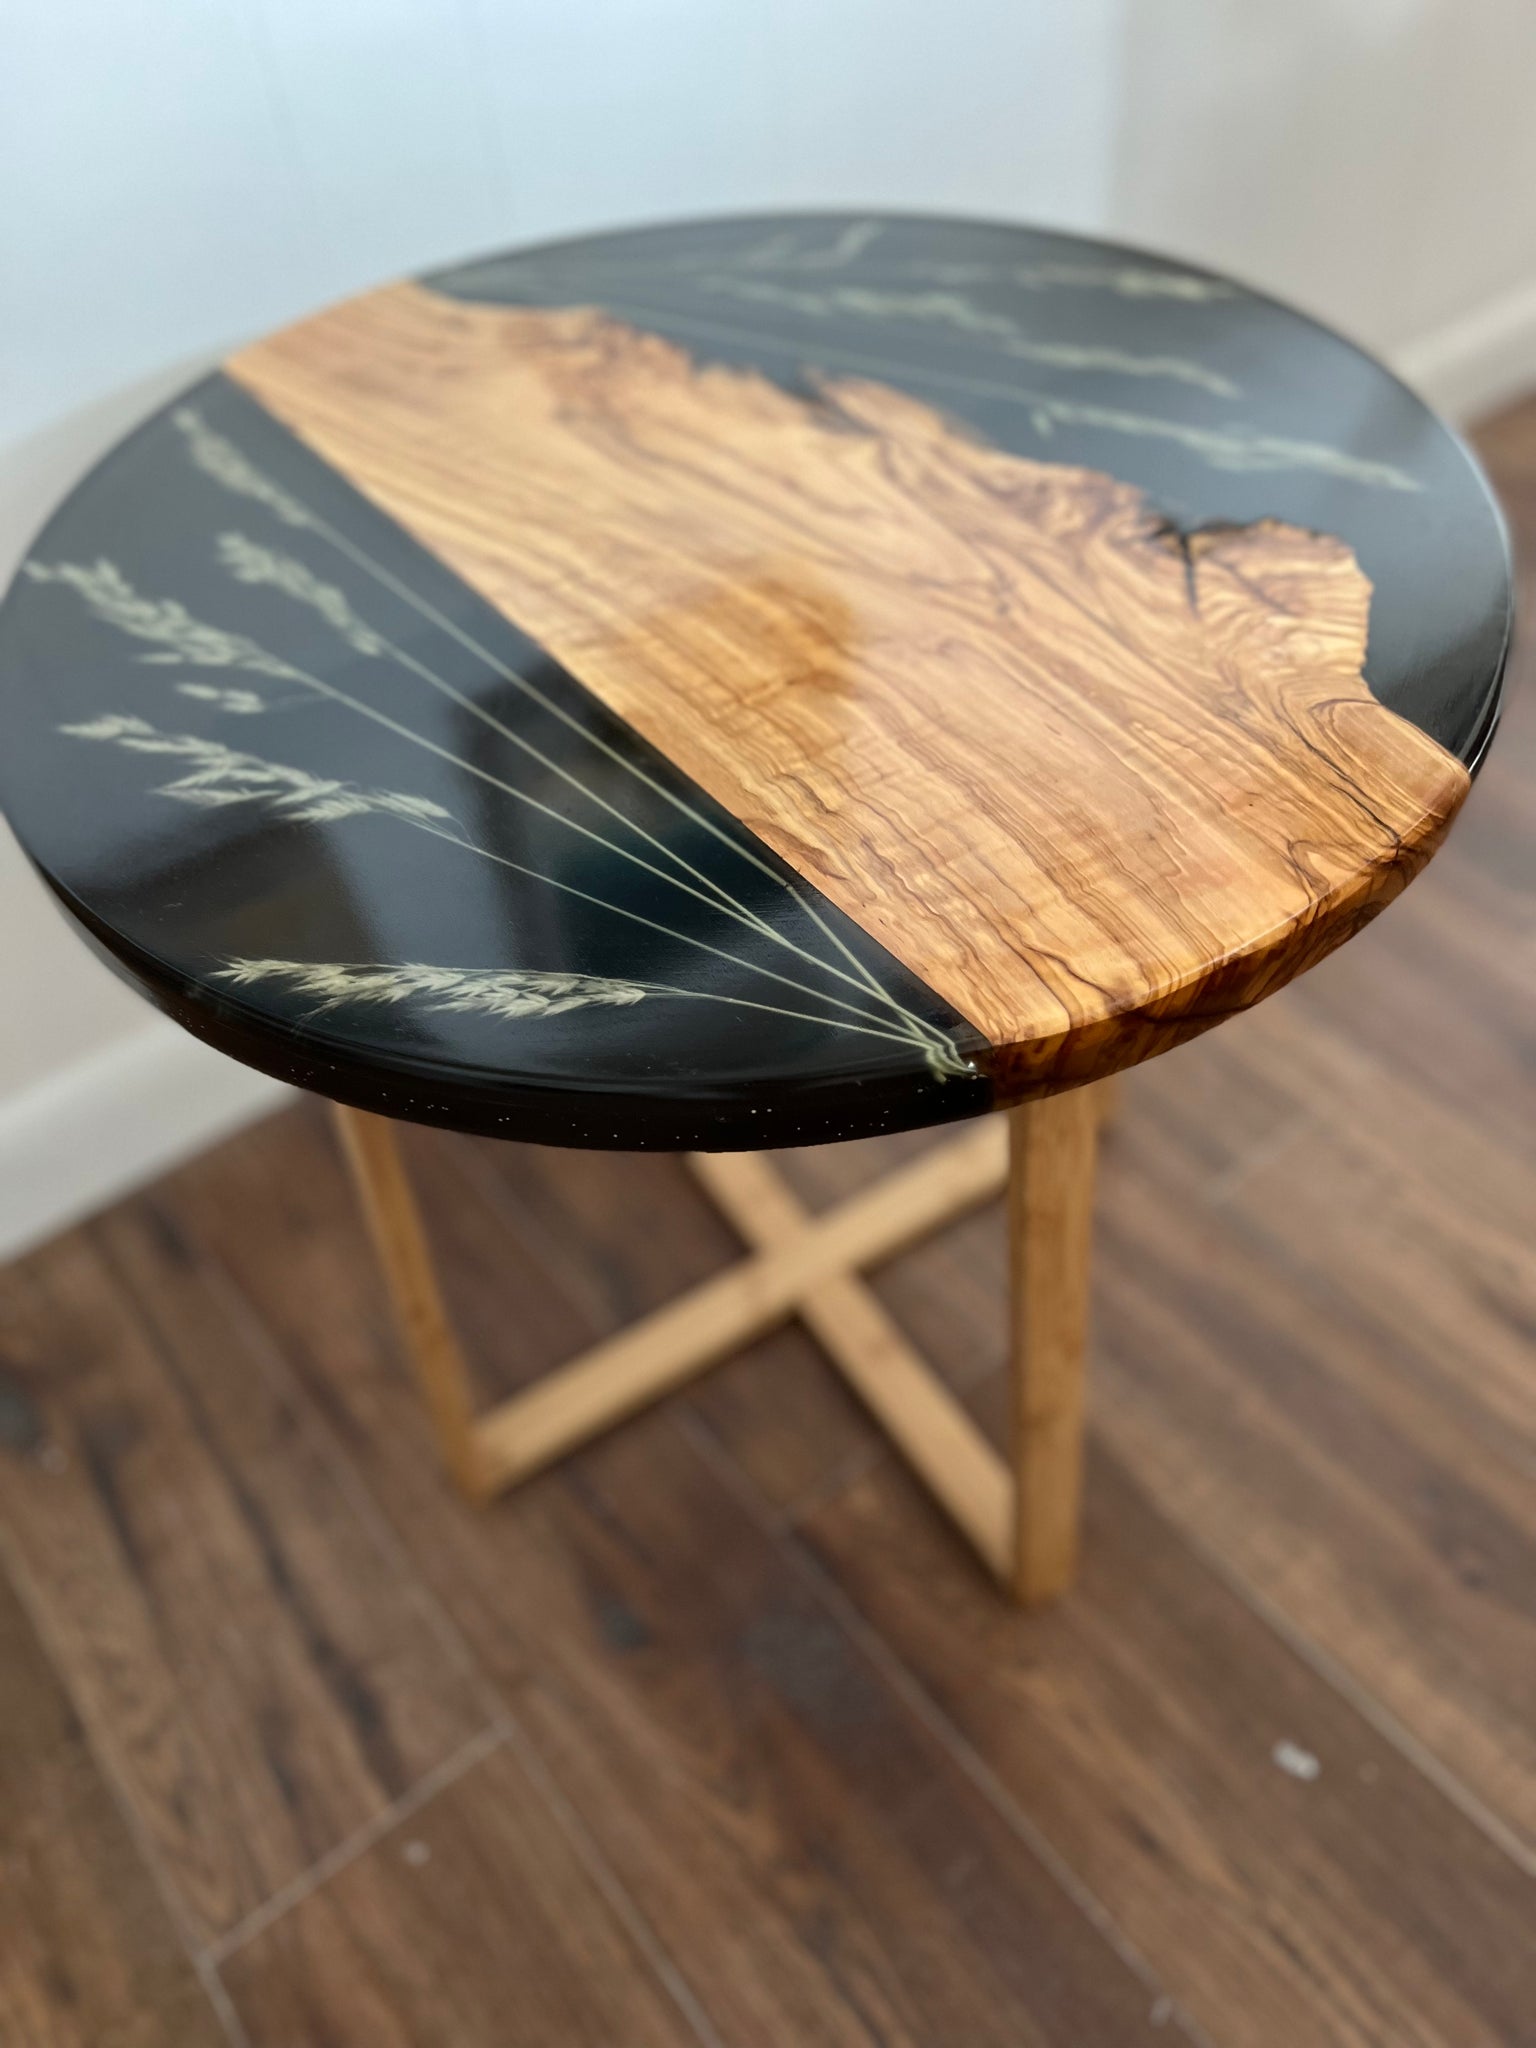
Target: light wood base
{"x": 1020, "y": 1512}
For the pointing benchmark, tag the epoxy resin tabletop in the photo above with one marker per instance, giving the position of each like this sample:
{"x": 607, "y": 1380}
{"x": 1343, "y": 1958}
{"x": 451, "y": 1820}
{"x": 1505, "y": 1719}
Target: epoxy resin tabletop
{"x": 752, "y": 681}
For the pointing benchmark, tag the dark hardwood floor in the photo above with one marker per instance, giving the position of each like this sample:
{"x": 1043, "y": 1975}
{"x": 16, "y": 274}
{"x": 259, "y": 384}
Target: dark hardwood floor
{"x": 717, "y": 1734}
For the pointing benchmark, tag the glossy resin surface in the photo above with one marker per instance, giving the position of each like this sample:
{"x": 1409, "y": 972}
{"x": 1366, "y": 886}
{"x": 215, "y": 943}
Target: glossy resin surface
{"x": 752, "y": 682}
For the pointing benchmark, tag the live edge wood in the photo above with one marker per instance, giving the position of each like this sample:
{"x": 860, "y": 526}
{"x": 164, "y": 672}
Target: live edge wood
{"x": 1098, "y": 782}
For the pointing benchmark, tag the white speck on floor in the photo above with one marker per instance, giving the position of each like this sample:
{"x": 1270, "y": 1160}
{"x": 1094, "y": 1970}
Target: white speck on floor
{"x": 416, "y": 1853}
{"x": 1296, "y": 1761}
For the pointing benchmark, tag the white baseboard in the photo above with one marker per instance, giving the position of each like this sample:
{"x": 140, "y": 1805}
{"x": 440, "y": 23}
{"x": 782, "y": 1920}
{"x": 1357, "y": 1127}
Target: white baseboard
{"x": 1479, "y": 362}
{"x": 94, "y": 1130}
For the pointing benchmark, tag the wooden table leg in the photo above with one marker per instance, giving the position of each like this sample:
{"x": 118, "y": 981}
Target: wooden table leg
{"x": 1050, "y": 1220}
{"x": 400, "y": 1241}
{"x": 1106, "y": 1096}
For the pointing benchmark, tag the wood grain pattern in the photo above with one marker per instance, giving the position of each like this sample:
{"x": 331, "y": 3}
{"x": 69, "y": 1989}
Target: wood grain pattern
{"x": 1323, "y": 1373}
{"x": 473, "y": 1925}
{"x": 1136, "y": 1724}
{"x": 264, "y": 1679}
{"x": 1314, "y": 1379}
{"x": 812, "y": 1860}
{"x": 1050, "y": 1233}
{"x": 405, "y": 1264}
{"x": 88, "y": 1953}
{"x": 1098, "y": 784}
{"x": 1312, "y": 1313}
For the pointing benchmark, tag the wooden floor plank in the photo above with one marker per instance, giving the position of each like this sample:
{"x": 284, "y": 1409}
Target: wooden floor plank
{"x": 89, "y": 1957}
{"x": 256, "y": 1672}
{"x": 474, "y": 1924}
{"x": 810, "y": 1856}
{"x": 1283, "y": 1434}
{"x": 1317, "y": 1437}
{"x": 1423, "y": 1221}
{"x": 1137, "y": 1723}
{"x": 1457, "y": 979}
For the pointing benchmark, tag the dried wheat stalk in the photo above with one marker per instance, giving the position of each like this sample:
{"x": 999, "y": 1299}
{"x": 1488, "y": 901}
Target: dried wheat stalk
{"x": 495, "y": 992}
{"x": 218, "y": 775}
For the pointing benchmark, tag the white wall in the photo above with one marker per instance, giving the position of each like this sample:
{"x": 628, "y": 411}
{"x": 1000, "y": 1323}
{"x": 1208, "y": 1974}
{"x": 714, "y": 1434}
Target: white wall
{"x": 1373, "y": 160}
{"x": 177, "y": 174}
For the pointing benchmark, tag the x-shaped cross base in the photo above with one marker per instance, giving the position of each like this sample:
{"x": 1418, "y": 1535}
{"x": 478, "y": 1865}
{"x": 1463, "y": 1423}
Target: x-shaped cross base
{"x": 1020, "y": 1510}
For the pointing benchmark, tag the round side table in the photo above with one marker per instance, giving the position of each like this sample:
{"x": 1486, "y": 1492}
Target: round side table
{"x": 750, "y": 683}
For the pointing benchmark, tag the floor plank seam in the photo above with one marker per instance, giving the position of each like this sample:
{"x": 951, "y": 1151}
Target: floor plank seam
{"x": 1164, "y": 2009}
{"x": 318, "y": 1873}
{"x": 143, "y": 1842}
{"x": 1325, "y": 1295}
{"x": 868, "y": 1458}
{"x": 503, "y": 1721}
{"x": 1374, "y": 1712}
{"x": 359, "y": 1495}
{"x": 620, "y": 1902}
{"x": 223, "y": 2005}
